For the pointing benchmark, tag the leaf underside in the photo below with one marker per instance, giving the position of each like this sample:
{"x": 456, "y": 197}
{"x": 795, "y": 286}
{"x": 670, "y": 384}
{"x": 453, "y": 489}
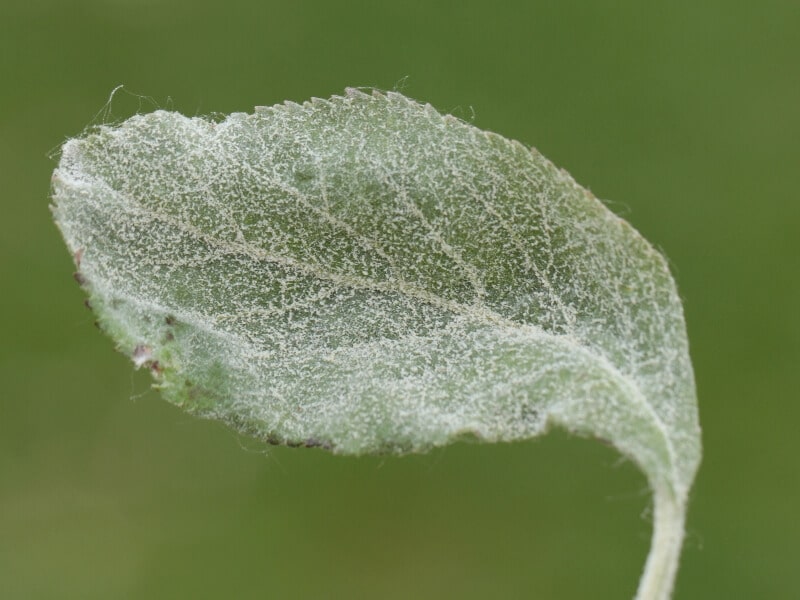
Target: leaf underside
{"x": 366, "y": 275}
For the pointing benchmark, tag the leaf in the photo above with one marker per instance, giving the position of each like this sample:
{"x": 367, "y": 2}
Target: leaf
{"x": 367, "y": 275}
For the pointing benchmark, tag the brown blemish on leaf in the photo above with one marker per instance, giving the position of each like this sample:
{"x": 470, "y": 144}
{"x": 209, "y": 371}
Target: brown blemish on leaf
{"x": 142, "y": 355}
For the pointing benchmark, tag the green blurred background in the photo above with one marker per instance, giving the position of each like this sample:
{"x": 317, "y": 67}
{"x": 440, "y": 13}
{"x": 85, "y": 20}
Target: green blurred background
{"x": 685, "y": 115}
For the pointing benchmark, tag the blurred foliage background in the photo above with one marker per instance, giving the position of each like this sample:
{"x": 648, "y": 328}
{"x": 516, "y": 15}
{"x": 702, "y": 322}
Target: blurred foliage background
{"x": 684, "y": 115}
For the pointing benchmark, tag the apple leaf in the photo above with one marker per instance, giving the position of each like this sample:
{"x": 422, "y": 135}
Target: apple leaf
{"x": 366, "y": 275}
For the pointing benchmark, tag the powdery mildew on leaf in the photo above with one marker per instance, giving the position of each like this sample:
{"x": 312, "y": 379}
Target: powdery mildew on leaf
{"x": 367, "y": 275}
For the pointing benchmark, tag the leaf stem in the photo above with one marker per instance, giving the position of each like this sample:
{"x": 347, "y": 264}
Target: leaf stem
{"x": 662, "y": 562}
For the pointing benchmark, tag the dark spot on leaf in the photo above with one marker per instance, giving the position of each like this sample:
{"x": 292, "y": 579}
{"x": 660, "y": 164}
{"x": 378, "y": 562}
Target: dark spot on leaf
{"x": 529, "y": 414}
{"x": 315, "y": 443}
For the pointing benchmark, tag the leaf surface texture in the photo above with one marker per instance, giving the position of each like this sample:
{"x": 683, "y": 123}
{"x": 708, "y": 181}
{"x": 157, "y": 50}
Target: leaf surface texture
{"x": 367, "y": 275}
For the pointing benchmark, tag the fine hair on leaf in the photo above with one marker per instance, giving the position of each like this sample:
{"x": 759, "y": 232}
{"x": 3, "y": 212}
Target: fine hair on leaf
{"x": 366, "y": 275}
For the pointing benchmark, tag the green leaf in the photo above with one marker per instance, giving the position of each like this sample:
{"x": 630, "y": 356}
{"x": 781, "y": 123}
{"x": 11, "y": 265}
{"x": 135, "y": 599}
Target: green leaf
{"x": 367, "y": 275}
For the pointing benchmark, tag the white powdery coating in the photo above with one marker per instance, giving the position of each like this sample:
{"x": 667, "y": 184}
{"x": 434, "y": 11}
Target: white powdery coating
{"x": 365, "y": 274}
